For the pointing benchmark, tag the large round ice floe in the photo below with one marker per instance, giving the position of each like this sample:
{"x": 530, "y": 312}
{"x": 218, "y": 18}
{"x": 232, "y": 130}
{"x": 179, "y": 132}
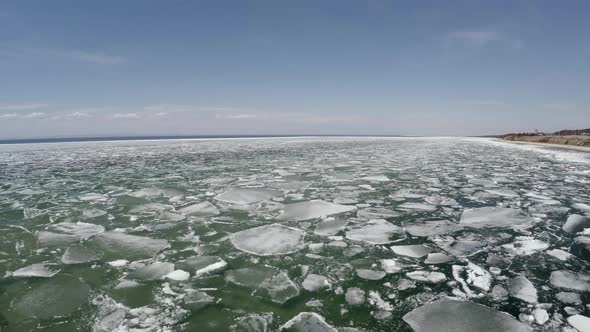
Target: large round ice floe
{"x": 376, "y": 231}
{"x": 57, "y": 297}
{"x": 494, "y": 217}
{"x": 121, "y": 245}
{"x": 313, "y": 209}
{"x": 65, "y": 233}
{"x": 244, "y": 196}
{"x": 269, "y": 240}
{"x": 461, "y": 316}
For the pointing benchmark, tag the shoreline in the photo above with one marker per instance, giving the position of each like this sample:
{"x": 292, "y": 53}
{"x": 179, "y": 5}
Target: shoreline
{"x": 562, "y": 146}
{"x": 572, "y": 140}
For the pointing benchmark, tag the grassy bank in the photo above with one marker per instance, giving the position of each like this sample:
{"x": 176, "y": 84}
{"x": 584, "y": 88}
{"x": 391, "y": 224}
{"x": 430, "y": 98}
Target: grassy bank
{"x": 577, "y": 140}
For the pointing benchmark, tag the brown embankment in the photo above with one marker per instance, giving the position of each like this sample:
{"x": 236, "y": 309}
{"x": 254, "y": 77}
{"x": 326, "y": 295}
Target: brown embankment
{"x": 577, "y": 140}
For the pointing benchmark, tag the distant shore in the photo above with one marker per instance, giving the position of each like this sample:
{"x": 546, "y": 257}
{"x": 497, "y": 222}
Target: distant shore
{"x": 573, "y": 140}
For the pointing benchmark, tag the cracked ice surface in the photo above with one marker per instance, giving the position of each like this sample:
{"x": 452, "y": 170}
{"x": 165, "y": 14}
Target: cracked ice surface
{"x": 321, "y": 234}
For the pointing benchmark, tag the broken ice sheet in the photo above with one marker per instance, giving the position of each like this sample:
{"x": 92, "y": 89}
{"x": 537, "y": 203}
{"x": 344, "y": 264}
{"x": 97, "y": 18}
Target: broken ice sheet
{"x": 242, "y": 196}
{"x": 432, "y": 228}
{"x": 313, "y": 209}
{"x": 56, "y": 297}
{"x": 495, "y": 217}
{"x": 267, "y": 240}
{"x": 377, "y": 231}
{"x": 127, "y": 246}
{"x": 38, "y": 270}
{"x": 66, "y": 233}
{"x": 442, "y": 315}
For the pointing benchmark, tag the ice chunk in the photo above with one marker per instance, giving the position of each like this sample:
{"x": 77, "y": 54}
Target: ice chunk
{"x": 541, "y": 316}
{"x": 427, "y": 276}
{"x": 178, "y": 275}
{"x": 330, "y": 227}
{"x": 391, "y": 266}
{"x": 472, "y": 276}
{"x": 570, "y": 280}
{"x": 355, "y": 296}
{"x": 521, "y": 288}
{"x": 525, "y": 246}
{"x": 57, "y": 297}
{"x": 432, "y": 228}
{"x": 203, "y": 265}
{"x": 495, "y": 217}
{"x": 376, "y": 231}
{"x": 38, "y": 270}
{"x": 93, "y": 213}
{"x": 250, "y": 277}
{"x": 313, "y": 209}
{"x": 66, "y": 233}
{"x": 269, "y": 240}
{"x": 412, "y": 250}
{"x": 460, "y": 248}
{"x": 376, "y": 178}
{"x": 280, "y": 288}
{"x": 308, "y": 322}
{"x": 438, "y": 258}
{"x": 559, "y": 254}
{"x": 569, "y": 298}
{"x": 461, "y": 316}
{"x": 315, "y": 282}
{"x": 576, "y": 223}
{"x": 581, "y": 247}
{"x": 197, "y": 300}
{"x": 582, "y": 207}
{"x": 241, "y": 196}
{"x": 370, "y": 274}
{"x": 418, "y": 207}
{"x": 254, "y": 323}
{"x": 376, "y": 213}
{"x": 121, "y": 245}
{"x": 78, "y": 254}
{"x": 579, "y": 322}
{"x": 152, "y": 272}
{"x": 203, "y": 209}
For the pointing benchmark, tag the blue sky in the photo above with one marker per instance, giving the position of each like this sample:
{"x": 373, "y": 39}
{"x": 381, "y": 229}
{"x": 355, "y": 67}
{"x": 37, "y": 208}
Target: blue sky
{"x": 86, "y": 68}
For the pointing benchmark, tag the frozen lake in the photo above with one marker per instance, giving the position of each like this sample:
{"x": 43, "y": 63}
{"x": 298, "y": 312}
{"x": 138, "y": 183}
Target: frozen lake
{"x": 301, "y": 234}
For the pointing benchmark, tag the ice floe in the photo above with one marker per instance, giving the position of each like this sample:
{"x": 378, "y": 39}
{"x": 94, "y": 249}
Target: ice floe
{"x": 78, "y": 254}
{"x": 313, "y": 209}
{"x": 267, "y": 240}
{"x": 377, "y": 231}
{"x": 412, "y": 250}
{"x": 494, "y": 217}
{"x": 308, "y": 322}
{"x": 315, "y": 282}
{"x": 432, "y": 228}
{"x": 127, "y": 246}
{"x": 521, "y": 288}
{"x": 37, "y": 270}
{"x": 461, "y": 316}
{"x": 570, "y": 280}
{"x": 202, "y": 265}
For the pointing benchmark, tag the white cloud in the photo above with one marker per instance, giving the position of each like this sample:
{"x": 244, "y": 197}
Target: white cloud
{"x": 78, "y": 115}
{"x": 161, "y": 114}
{"x": 34, "y": 115}
{"x": 81, "y": 55}
{"x": 9, "y": 116}
{"x": 101, "y": 59}
{"x": 238, "y": 116}
{"x": 474, "y": 38}
{"x": 126, "y": 116}
{"x": 482, "y": 38}
{"x": 22, "y": 107}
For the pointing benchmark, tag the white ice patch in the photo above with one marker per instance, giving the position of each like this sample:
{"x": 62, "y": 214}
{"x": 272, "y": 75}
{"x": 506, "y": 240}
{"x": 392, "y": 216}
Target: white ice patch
{"x": 313, "y": 209}
{"x": 494, "y": 217}
{"x": 412, "y": 250}
{"x": 126, "y": 246}
{"x": 521, "y": 288}
{"x": 570, "y": 280}
{"x": 269, "y": 240}
{"x": 241, "y": 196}
{"x": 38, "y": 270}
{"x": 452, "y": 315}
{"x": 525, "y": 245}
{"x": 376, "y": 231}
{"x": 203, "y": 209}
{"x": 308, "y": 322}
